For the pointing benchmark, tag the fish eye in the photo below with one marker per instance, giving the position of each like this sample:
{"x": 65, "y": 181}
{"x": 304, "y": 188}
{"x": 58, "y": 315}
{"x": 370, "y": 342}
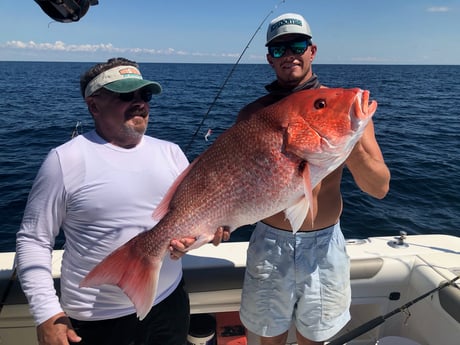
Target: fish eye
{"x": 320, "y": 103}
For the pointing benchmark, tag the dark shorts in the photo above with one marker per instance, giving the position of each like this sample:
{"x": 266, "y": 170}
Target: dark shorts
{"x": 166, "y": 324}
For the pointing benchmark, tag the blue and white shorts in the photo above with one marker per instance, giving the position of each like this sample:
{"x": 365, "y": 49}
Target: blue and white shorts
{"x": 302, "y": 277}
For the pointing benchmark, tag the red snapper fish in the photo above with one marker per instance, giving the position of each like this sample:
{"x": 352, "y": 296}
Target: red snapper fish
{"x": 260, "y": 166}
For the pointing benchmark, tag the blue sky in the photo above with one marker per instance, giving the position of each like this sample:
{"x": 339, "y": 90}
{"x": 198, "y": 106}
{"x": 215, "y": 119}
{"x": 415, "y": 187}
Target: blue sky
{"x": 346, "y": 32}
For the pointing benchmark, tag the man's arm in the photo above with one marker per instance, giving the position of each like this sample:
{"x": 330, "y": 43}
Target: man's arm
{"x": 367, "y": 165}
{"x": 57, "y": 330}
{"x": 43, "y": 215}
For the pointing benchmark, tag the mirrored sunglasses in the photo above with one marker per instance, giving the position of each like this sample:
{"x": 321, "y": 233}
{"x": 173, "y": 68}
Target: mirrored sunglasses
{"x": 297, "y": 47}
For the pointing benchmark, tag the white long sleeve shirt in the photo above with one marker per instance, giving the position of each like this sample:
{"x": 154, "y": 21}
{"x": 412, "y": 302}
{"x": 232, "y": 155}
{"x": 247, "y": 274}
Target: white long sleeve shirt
{"x": 101, "y": 196}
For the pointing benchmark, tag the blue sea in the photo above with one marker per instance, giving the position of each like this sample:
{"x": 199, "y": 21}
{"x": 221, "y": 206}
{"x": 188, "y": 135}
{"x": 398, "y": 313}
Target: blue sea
{"x": 417, "y": 125}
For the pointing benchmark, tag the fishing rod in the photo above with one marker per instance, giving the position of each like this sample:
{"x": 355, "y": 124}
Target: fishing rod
{"x": 381, "y": 319}
{"x": 228, "y": 77}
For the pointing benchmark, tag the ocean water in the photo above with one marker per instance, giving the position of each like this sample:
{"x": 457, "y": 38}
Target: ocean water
{"x": 417, "y": 125}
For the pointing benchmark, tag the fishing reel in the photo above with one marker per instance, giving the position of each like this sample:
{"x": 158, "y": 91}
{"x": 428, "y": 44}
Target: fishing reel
{"x": 66, "y": 11}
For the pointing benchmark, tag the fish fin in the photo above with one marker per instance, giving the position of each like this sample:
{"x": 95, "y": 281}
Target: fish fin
{"x": 132, "y": 271}
{"x": 297, "y": 213}
{"x": 163, "y": 207}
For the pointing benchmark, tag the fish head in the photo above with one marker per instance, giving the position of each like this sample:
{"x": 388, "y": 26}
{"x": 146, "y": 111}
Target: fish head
{"x": 325, "y": 120}
{"x": 336, "y": 112}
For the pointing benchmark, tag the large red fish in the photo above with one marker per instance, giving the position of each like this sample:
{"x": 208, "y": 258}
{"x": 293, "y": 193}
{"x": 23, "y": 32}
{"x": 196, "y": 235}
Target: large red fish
{"x": 258, "y": 167}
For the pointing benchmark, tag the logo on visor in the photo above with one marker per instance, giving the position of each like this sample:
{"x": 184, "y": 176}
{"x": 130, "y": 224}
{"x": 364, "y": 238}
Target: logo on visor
{"x": 288, "y": 21}
{"x": 130, "y": 72}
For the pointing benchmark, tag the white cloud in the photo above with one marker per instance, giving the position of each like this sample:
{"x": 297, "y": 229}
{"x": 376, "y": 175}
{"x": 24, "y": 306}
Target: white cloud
{"x": 366, "y": 59}
{"x": 102, "y": 47}
{"x": 17, "y": 50}
{"x": 438, "y": 9}
{"x": 61, "y": 46}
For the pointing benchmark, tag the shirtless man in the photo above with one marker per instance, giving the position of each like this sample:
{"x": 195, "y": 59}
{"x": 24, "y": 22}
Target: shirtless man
{"x": 304, "y": 277}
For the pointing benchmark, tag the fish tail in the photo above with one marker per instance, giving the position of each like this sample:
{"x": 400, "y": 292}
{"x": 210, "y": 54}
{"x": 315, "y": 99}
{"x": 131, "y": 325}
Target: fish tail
{"x": 134, "y": 272}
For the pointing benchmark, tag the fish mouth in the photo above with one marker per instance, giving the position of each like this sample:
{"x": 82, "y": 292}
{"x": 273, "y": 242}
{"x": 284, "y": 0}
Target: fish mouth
{"x": 362, "y": 107}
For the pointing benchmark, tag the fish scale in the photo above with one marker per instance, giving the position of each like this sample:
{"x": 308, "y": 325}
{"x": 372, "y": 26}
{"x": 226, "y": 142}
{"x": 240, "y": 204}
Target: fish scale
{"x": 260, "y": 166}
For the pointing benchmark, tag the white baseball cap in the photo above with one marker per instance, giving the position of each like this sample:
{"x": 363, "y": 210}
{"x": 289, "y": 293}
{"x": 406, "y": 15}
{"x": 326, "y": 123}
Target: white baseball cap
{"x": 288, "y": 23}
